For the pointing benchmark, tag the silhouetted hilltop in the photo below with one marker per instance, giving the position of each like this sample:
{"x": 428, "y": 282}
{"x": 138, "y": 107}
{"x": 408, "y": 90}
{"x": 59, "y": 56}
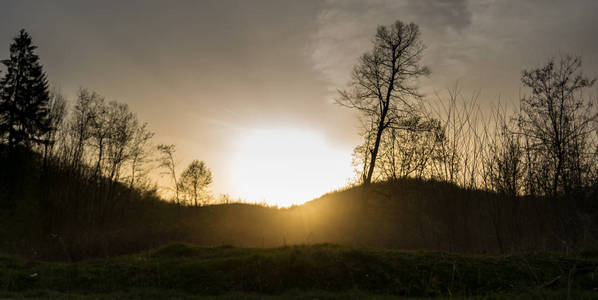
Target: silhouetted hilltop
{"x": 49, "y": 211}
{"x": 406, "y": 214}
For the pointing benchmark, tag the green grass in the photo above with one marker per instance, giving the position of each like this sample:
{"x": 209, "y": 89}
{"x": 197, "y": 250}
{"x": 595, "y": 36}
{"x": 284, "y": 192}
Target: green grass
{"x": 315, "y": 272}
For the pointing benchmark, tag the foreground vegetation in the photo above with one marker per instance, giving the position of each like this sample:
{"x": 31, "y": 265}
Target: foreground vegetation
{"x": 322, "y": 271}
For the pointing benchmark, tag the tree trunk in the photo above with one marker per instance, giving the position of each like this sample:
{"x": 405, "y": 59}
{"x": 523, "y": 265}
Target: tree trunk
{"x": 381, "y": 127}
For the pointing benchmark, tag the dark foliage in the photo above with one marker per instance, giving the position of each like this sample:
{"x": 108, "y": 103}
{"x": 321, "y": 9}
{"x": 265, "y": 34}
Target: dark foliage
{"x": 24, "y": 96}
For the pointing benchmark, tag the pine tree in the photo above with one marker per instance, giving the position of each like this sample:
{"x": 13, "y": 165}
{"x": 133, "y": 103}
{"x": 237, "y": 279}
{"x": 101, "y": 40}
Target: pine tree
{"x": 24, "y": 98}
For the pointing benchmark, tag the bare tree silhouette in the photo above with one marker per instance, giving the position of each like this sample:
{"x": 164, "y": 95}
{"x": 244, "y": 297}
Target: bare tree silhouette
{"x": 382, "y": 82}
{"x": 557, "y": 120}
{"x": 194, "y": 180}
{"x": 166, "y": 161}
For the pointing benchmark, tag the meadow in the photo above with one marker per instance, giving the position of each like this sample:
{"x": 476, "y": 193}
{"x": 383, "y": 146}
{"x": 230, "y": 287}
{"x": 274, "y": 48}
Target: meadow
{"x": 322, "y": 271}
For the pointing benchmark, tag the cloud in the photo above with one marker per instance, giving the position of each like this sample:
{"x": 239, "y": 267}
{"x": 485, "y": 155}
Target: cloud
{"x": 440, "y": 15}
{"x": 345, "y": 28}
{"x": 484, "y": 43}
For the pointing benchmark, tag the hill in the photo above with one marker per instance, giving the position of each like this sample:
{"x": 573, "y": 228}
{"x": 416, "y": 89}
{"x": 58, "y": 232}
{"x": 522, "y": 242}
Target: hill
{"x": 405, "y": 214}
{"x": 50, "y": 212}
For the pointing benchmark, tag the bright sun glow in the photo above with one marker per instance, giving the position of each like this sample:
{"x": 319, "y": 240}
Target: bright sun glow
{"x": 287, "y": 166}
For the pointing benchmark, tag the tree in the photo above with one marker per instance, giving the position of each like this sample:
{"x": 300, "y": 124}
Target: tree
{"x": 410, "y": 152}
{"x": 460, "y": 145}
{"x": 194, "y": 179}
{"x": 139, "y": 152}
{"x": 100, "y": 132}
{"x": 80, "y": 125}
{"x": 382, "y": 83}
{"x": 361, "y": 153}
{"x": 57, "y": 109}
{"x": 503, "y": 168}
{"x": 24, "y": 111}
{"x": 557, "y": 121}
{"x": 122, "y": 127}
{"x": 166, "y": 161}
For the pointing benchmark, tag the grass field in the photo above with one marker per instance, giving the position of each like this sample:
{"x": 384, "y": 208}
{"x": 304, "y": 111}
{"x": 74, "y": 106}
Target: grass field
{"x": 297, "y": 272}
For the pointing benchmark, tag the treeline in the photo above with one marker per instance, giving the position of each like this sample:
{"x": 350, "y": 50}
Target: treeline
{"x": 99, "y": 140}
{"x": 546, "y": 147}
{"x": 538, "y": 160}
{"x": 73, "y": 172}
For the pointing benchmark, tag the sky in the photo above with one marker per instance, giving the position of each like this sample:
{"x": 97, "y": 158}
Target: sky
{"x": 248, "y": 86}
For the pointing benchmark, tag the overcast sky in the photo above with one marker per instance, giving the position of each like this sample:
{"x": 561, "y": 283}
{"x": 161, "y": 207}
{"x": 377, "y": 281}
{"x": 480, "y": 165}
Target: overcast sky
{"x": 202, "y": 73}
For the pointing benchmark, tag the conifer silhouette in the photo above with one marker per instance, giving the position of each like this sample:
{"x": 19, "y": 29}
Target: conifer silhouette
{"x": 24, "y": 97}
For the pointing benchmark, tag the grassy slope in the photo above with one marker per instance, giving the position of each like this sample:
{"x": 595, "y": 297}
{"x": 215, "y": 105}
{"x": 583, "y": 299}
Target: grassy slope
{"x": 63, "y": 215}
{"x": 318, "y": 271}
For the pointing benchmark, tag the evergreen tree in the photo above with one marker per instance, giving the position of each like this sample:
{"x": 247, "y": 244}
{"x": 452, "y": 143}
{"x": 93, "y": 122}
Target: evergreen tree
{"x": 24, "y": 98}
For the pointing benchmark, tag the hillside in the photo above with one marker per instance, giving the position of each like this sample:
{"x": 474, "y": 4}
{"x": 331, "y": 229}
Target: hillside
{"x": 405, "y": 214}
{"x": 320, "y": 271}
{"x": 51, "y": 214}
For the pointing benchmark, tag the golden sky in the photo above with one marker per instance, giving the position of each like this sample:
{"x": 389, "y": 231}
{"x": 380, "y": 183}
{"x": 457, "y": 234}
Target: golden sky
{"x": 247, "y": 86}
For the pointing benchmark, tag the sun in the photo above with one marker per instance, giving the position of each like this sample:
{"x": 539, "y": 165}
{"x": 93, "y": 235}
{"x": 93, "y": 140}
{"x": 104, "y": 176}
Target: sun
{"x": 284, "y": 167}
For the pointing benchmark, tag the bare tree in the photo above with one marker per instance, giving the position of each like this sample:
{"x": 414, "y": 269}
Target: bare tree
{"x": 194, "y": 179}
{"x": 166, "y": 161}
{"x": 100, "y": 133}
{"x": 57, "y": 109}
{"x": 411, "y": 148}
{"x": 557, "y": 120}
{"x": 361, "y": 153}
{"x": 460, "y": 145}
{"x": 80, "y": 126}
{"x": 139, "y": 152}
{"x": 383, "y": 81}
{"x": 122, "y": 126}
{"x": 503, "y": 166}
